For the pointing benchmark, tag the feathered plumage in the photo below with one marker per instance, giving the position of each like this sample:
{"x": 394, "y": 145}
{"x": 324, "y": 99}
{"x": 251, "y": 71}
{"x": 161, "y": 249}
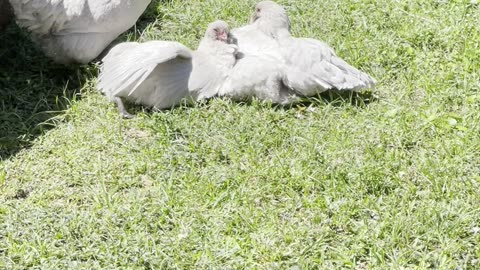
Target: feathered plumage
{"x": 161, "y": 74}
{"x": 280, "y": 68}
{"x": 76, "y": 30}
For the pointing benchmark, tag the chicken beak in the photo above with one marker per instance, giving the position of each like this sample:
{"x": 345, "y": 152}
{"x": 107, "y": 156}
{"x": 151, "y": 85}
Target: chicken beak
{"x": 222, "y": 36}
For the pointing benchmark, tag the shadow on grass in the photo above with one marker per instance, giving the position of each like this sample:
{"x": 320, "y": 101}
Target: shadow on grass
{"x": 151, "y": 14}
{"x": 331, "y": 97}
{"x": 341, "y": 98}
{"x": 32, "y": 90}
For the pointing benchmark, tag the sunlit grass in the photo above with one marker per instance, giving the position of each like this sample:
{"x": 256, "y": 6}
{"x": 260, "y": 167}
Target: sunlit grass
{"x": 385, "y": 183}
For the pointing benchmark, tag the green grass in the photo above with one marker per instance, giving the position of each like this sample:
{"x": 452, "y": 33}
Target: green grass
{"x": 386, "y": 183}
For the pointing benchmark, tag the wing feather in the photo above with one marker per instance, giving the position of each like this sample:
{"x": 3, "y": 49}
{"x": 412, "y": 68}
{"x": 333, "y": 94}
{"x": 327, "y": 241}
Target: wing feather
{"x": 154, "y": 73}
{"x": 313, "y": 67}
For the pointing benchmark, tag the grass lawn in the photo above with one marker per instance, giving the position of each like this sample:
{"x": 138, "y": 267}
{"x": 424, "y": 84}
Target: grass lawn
{"x": 383, "y": 181}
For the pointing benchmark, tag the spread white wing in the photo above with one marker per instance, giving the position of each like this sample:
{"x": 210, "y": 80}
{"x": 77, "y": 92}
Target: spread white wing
{"x": 154, "y": 73}
{"x": 313, "y": 67}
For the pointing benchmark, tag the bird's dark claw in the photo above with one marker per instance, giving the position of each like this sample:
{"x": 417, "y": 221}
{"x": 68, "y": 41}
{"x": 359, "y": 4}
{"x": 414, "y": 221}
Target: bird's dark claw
{"x": 121, "y": 109}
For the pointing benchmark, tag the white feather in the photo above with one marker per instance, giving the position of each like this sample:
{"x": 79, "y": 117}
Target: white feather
{"x": 76, "y": 30}
{"x": 278, "y": 67}
{"x": 161, "y": 74}
{"x": 260, "y": 69}
{"x": 313, "y": 67}
{"x": 212, "y": 63}
{"x": 153, "y": 73}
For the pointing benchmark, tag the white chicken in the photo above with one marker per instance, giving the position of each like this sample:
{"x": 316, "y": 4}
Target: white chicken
{"x": 278, "y": 67}
{"x": 76, "y": 31}
{"x": 270, "y": 64}
{"x": 160, "y": 74}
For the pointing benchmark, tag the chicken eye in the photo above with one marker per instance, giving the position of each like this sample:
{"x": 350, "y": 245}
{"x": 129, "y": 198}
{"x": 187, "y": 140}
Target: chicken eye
{"x": 258, "y": 10}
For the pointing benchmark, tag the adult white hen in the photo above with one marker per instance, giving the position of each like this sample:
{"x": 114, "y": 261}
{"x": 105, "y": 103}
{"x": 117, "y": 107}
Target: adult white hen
{"x": 280, "y": 68}
{"x": 160, "y": 74}
{"x": 72, "y": 31}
